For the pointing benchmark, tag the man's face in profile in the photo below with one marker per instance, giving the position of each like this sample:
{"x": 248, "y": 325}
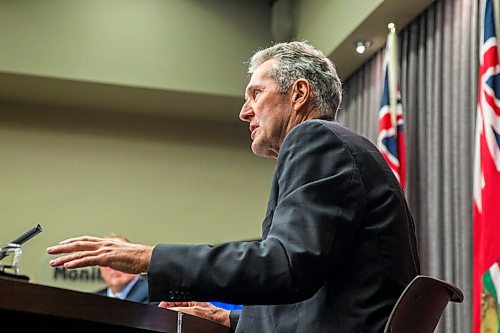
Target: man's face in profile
{"x": 267, "y": 111}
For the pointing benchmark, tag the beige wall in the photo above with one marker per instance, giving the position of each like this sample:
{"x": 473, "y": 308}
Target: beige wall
{"x": 326, "y": 23}
{"x": 100, "y": 150}
{"x": 178, "y": 45}
{"x": 152, "y": 179}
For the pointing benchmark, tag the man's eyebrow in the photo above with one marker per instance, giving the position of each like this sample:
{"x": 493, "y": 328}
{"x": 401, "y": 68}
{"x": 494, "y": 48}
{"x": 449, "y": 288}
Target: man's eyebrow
{"x": 248, "y": 89}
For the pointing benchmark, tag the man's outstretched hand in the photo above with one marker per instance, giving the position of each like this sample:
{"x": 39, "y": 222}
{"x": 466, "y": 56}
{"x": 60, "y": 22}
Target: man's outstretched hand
{"x": 105, "y": 252}
{"x": 200, "y": 309}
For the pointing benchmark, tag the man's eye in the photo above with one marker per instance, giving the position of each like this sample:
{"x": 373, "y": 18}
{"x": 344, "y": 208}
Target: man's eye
{"x": 256, "y": 93}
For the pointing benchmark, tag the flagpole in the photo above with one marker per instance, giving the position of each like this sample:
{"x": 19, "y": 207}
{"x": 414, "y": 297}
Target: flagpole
{"x": 392, "y": 69}
{"x": 496, "y": 11}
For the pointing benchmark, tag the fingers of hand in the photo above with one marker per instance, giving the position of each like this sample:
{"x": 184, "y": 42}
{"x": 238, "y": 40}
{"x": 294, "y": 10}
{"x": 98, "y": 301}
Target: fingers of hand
{"x": 206, "y": 305}
{"x": 207, "y": 311}
{"x": 200, "y": 309}
{"x": 189, "y": 310}
{"x": 77, "y": 259}
{"x": 81, "y": 238}
{"x": 85, "y": 262}
{"x": 173, "y": 304}
{"x": 78, "y": 244}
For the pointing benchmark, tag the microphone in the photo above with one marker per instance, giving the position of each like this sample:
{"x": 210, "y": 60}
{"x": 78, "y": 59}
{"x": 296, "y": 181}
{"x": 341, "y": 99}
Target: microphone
{"x": 23, "y": 238}
{"x": 27, "y": 235}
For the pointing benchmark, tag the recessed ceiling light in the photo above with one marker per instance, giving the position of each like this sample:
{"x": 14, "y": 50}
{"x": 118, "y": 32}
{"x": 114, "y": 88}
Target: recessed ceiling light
{"x": 361, "y": 46}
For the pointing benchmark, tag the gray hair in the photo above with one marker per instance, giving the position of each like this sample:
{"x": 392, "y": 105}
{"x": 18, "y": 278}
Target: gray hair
{"x": 300, "y": 60}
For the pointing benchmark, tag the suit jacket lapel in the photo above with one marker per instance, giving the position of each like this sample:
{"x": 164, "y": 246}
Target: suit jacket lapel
{"x": 139, "y": 292}
{"x": 271, "y": 205}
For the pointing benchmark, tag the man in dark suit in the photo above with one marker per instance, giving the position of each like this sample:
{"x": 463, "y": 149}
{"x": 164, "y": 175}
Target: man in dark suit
{"x": 338, "y": 241}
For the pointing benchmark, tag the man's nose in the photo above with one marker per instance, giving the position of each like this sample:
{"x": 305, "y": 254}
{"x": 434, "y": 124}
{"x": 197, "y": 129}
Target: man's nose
{"x": 246, "y": 112}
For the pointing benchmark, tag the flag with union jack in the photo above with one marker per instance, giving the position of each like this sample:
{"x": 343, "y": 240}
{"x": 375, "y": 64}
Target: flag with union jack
{"x": 390, "y": 141}
{"x": 486, "y": 191}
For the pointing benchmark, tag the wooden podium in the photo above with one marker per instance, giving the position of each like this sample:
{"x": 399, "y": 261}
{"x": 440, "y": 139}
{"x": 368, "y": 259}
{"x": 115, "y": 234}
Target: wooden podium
{"x": 27, "y": 307}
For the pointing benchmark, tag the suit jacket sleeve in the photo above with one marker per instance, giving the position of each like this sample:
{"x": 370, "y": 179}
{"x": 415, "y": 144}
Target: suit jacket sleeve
{"x": 318, "y": 196}
{"x": 234, "y": 316}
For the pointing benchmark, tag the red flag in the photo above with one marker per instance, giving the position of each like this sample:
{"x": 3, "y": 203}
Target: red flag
{"x": 486, "y": 220}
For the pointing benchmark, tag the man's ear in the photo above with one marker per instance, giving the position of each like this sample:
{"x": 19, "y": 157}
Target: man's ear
{"x": 301, "y": 92}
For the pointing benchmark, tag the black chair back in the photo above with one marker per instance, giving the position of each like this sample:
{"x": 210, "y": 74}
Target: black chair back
{"x": 421, "y": 305}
